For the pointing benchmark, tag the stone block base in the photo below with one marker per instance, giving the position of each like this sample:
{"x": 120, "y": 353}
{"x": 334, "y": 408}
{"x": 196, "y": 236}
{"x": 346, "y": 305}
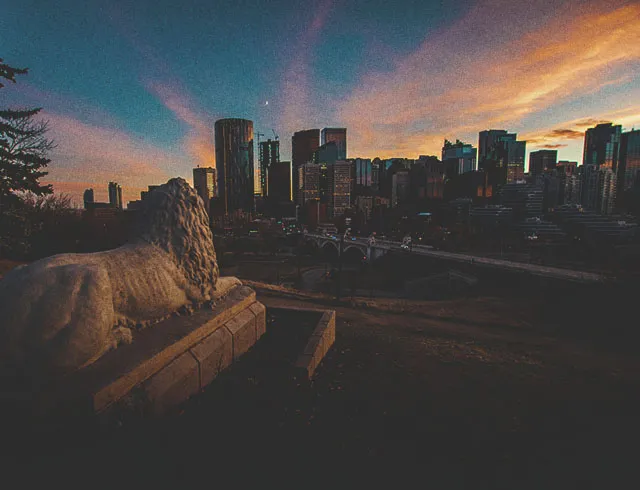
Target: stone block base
{"x": 166, "y": 363}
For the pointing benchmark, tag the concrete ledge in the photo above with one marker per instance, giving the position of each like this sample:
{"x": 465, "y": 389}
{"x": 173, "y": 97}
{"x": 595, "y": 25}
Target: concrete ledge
{"x": 165, "y": 364}
{"x": 323, "y": 337}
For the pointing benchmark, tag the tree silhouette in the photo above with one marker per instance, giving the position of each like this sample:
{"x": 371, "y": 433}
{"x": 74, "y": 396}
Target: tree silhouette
{"x": 23, "y": 147}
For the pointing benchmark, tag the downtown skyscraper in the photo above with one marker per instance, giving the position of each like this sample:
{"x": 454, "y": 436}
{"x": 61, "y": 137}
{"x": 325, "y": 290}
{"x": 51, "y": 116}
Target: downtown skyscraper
{"x": 337, "y": 136}
{"x": 303, "y": 145}
{"x": 234, "y": 165}
{"x": 600, "y": 166}
{"x": 269, "y": 156}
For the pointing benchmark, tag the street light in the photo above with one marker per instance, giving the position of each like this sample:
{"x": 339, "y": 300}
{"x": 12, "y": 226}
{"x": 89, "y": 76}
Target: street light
{"x": 344, "y": 236}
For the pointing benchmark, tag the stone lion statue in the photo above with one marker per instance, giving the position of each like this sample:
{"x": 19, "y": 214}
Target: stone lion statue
{"x": 63, "y": 312}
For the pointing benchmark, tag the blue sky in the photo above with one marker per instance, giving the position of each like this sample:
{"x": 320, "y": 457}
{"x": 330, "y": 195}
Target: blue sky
{"x": 131, "y": 89}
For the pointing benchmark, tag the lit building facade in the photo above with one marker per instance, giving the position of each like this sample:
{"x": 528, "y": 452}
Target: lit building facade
{"x": 268, "y": 156}
{"x": 339, "y": 184}
{"x": 308, "y": 183}
{"x": 458, "y": 158}
{"x": 234, "y": 165}
{"x": 600, "y": 162}
{"x": 629, "y": 166}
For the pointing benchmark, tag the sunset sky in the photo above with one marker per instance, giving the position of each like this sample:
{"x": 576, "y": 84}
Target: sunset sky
{"x": 131, "y": 89}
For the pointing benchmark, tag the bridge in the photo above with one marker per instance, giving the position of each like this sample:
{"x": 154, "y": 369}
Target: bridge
{"x": 381, "y": 247}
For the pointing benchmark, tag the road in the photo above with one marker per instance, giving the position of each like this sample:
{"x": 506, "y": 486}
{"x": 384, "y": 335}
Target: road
{"x": 424, "y": 250}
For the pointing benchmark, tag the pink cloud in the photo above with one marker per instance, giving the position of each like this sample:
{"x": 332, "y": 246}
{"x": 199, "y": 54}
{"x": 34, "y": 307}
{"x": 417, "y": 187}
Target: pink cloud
{"x": 94, "y": 155}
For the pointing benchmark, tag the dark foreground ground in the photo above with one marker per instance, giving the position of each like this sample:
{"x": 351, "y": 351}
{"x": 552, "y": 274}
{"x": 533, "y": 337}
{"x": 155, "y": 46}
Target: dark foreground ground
{"x": 475, "y": 393}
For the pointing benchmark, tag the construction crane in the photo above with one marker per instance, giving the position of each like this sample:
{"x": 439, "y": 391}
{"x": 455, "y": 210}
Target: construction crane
{"x": 275, "y": 135}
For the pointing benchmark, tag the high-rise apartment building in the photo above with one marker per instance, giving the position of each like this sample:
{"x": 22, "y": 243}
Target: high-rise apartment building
{"x": 339, "y": 137}
{"x": 234, "y": 164}
{"x": 308, "y": 183}
{"x": 204, "y": 182}
{"x": 269, "y": 155}
{"x": 339, "y": 184}
{"x": 541, "y": 161}
{"x": 115, "y": 195}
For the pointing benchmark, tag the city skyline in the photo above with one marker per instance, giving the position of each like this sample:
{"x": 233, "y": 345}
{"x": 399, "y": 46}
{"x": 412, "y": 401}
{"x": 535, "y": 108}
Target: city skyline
{"x": 127, "y": 104}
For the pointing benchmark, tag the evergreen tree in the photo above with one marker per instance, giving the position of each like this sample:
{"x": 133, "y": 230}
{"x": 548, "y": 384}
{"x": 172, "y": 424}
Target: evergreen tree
{"x": 23, "y": 148}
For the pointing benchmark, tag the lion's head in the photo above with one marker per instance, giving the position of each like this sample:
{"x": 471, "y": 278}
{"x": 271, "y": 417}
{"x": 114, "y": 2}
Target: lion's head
{"x": 173, "y": 218}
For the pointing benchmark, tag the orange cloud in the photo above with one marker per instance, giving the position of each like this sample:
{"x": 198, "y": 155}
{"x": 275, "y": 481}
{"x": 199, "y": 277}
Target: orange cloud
{"x": 482, "y": 72}
{"x": 574, "y": 130}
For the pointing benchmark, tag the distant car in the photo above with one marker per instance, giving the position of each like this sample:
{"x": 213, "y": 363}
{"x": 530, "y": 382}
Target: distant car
{"x": 404, "y": 246}
{"x": 353, "y": 239}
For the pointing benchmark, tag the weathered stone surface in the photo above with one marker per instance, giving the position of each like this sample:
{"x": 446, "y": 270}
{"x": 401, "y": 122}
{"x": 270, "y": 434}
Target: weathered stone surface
{"x": 260, "y": 313}
{"x": 213, "y": 354}
{"x": 242, "y": 328}
{"x": 173, "y": 384}
{"x": 120, "y": 371}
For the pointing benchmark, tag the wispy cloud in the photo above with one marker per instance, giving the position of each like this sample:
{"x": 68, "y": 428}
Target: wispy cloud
{"x": 483, "y": 72}
{"x": 296, "y": 98}
{"x": 198, "y": 142}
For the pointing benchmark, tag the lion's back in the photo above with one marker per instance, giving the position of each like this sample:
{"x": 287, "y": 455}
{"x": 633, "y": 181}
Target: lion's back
{"x": 42, "y": 303}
